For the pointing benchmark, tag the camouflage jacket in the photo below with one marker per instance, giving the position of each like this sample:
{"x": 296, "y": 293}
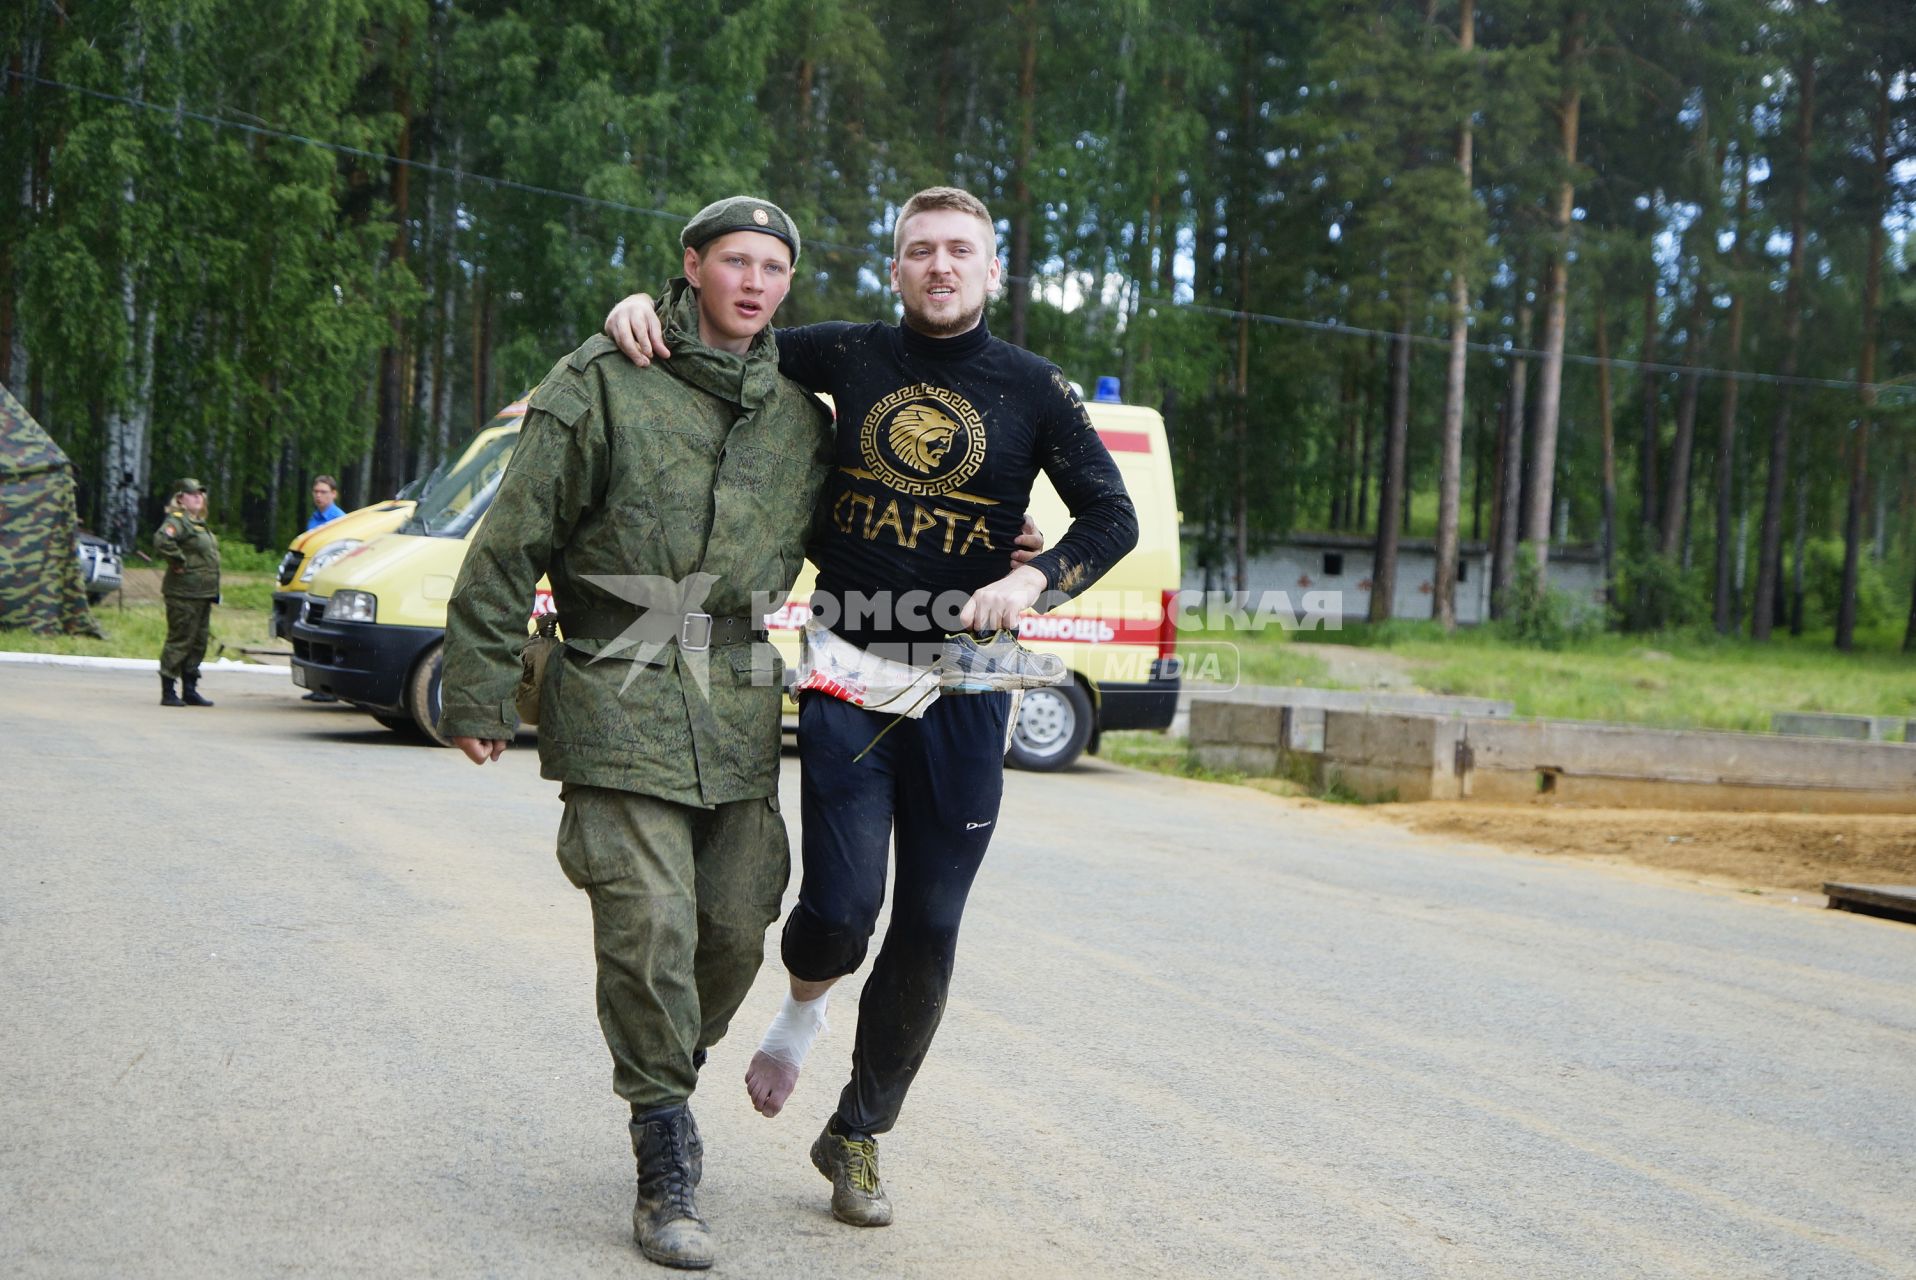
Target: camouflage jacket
{"x": 698, "y": 475}
{"x": 192, "y": 554}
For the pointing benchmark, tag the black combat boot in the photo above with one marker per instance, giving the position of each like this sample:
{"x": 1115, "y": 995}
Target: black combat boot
{"x": 190, "y": 695}
{"x": 665, "y": 1217}
{"x": 168, "y": 698}
{"x": 694, "y": 1144}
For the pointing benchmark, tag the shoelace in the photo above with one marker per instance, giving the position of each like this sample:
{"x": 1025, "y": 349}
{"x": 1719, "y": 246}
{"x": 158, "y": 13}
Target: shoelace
{"x": 678, "y": 1175}
{"x": 861, "y": 1164}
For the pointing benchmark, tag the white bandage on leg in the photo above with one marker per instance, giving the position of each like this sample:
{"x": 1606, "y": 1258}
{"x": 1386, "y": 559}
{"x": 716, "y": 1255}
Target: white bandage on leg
{"x": 797, "y": 1024}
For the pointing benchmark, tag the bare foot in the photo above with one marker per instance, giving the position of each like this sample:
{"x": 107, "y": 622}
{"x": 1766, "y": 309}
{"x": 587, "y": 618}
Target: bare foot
{"x": 769, "y": 1081}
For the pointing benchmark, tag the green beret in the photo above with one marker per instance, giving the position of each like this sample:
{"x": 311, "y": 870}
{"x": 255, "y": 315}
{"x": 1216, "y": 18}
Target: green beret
{"x": 739, "y": 213}
{"x": 189, "y": 485}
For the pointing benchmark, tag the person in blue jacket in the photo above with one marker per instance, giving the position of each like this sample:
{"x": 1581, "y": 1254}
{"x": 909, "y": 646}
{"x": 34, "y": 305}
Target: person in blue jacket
{"x": 325, "y": 509}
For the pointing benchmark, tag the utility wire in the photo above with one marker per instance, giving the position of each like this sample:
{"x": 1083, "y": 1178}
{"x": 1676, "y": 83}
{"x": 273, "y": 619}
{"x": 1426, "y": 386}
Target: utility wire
{"x": 1570, "y": 357}
{"x": 1895, "y": 390}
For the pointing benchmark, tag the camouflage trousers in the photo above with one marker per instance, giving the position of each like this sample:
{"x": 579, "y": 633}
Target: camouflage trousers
{"x": 681, "y": 898}
{"x": 188, "y": 624}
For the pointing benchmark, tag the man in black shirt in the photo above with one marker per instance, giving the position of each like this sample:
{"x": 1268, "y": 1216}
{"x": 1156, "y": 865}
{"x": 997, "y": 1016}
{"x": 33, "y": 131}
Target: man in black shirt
{"x": 942, "y": 429}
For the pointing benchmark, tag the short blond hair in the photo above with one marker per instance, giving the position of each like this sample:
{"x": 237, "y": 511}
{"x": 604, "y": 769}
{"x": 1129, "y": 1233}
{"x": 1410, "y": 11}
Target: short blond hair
{"x": 932, "y": 198}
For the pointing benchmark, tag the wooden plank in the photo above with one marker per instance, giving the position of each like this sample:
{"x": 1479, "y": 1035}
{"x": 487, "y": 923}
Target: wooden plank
{"x": 1897, "y": 901}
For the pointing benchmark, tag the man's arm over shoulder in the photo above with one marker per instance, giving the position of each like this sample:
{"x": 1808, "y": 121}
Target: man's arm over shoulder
{"x": 1104, "y": 523}
{"x": 557, "y": 473}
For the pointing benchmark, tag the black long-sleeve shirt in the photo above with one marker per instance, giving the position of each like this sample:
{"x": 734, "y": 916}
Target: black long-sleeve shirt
{"x": 939, "y": 440}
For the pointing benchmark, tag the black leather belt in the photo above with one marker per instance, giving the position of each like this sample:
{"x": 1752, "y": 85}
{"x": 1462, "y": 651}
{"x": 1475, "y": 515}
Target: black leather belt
{"x": 695, "y": 632}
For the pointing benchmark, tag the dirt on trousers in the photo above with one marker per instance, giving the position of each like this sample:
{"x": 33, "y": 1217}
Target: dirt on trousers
{"x": 1790, "y": 852}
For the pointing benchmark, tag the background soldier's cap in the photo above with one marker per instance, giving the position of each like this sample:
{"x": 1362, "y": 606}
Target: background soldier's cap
{"x": 739, "y": 213}
{"x": 189, "y": 485}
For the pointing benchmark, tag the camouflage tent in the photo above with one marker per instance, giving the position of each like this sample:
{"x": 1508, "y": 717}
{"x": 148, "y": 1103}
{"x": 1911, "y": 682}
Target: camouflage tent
{"x": 40, "y": 585}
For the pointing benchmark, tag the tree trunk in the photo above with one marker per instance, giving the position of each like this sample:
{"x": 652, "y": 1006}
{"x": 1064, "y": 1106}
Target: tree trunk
{"x": 1909, "y": 627}
{"x": 1769, "y": 557}
{"x": 1477, "y": 469}
{"x": 1346, "y": 449}
{"x": 1676, "y": 499}
{"x": 1383, "y": 585}
{"x": 1866, "y": 374}
{"x": 1504, "y": 565}
{"x": 1369, "y": 396}
{"x": 481, "y": 348}
{"x": 390, "y": 433}
{"x": 1799, "y": 549}
{"x": 14, "y": 371}
{"x": 1019, "y": 291}
{"x": 1450, "y": 478}
{"x": 1499, "y": 471}
{"x": 1543, "y": 461}
{"x": 1647, "y": 462}
{"x": 128, "y": 423}
{"x": 1726, "y": 604}
{"x": 1241, "y": 498}
{"x": 1608, "y": 539}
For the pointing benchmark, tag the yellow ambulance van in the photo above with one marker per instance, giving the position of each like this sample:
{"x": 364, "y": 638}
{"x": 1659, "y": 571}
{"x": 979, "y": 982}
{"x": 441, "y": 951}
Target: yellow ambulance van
{"x": 312, "y": 550}
{"x": 370, "y": 626}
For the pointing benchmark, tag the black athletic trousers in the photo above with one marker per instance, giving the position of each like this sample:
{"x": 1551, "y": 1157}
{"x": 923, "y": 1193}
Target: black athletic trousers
{"x": 934, "y": 784}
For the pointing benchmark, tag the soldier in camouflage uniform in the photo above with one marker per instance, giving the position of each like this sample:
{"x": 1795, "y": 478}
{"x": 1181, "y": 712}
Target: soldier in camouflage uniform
{"x": 668, "y": 505}
{"x": 191, "y": 585}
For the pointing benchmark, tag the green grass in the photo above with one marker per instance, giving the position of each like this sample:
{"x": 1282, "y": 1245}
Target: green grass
{"x": 1675, "y": 684}
{"x": 1682, "y": 680}
{"x": 240, "y": 621}
{"x": 1265, "y": 657}
{"x": 1158, "y": 752}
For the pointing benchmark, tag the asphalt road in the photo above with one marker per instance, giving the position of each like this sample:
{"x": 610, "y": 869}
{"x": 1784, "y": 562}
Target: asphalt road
{"x": 287, "y": 994}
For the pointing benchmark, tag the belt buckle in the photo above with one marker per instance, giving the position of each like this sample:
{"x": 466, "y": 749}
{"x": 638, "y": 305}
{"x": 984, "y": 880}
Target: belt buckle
{"x": 699, "y": 624}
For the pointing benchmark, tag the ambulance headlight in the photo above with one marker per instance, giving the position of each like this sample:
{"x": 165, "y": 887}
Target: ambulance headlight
{"x": 327, "y": 554}
{"x": 352, "y": 606}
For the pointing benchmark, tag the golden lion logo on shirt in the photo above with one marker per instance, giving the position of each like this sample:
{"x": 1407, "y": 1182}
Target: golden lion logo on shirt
{"x": 924, "y": 441}
{"x": 921, "y": 436}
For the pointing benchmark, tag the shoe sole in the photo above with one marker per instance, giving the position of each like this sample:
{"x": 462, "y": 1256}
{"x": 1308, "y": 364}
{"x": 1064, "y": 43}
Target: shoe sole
{"x": 681, "y": 1264}
{"x": 670, "y": 1260}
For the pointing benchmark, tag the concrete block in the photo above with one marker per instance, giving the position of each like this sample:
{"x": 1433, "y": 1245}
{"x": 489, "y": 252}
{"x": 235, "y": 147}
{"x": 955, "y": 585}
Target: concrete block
{"x": 1306, "y": 729}
{"x": 1308, "y": 732}
{"x": 1394, "y": 756}
{"x": 1210, "y": 721}
{"x": 1216, "y": 720}
{"x": 1573, "y": 762}
{"x": 1822, "y": 724}
{"x": 1235, "y": 757}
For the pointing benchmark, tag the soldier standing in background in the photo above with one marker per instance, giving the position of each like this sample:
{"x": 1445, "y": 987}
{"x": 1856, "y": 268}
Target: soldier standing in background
{"x": 190, "y": 586}
{"x": 668, "y": 505}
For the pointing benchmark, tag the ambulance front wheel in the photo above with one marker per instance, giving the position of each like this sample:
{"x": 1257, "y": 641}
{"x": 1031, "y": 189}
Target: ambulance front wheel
{"x": 422, "y": 695}
{"x": 1054, "y": 723}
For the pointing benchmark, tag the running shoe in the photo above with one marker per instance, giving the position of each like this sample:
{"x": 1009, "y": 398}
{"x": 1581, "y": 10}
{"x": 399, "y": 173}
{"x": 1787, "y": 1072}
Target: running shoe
{"x": 858, "y": 1197}
{"x": 1000, "y": 663}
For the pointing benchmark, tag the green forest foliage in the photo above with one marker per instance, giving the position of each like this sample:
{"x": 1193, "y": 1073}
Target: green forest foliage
{"x": 191, "y": 283}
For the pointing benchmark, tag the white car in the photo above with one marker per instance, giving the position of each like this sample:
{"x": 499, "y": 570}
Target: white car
{"x": 99, "y": 566}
